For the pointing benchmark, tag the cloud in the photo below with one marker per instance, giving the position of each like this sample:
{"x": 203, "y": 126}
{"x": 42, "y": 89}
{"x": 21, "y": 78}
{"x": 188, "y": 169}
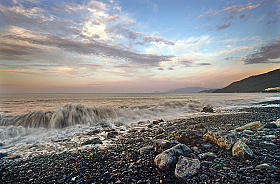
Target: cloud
{"x": 84, "y": 29}
{"x": 244, "y": 16}
{"x": 265, "y": 54}
{"x": 90, "y": 64}
{"x": 204, "y": 64}
{"x": 225, "y": 26}
{"x": 153, "y": 38}
{"x": 112, "y": 17}
{"x": 239, "y": 8}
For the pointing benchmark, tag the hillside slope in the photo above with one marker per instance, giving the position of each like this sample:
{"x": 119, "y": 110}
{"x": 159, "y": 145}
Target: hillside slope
{"x": 257, "y": 83}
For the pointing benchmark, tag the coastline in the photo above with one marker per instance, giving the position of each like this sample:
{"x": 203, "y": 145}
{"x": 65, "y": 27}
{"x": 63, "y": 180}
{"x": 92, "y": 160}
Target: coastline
{"x": 124, "y": 162}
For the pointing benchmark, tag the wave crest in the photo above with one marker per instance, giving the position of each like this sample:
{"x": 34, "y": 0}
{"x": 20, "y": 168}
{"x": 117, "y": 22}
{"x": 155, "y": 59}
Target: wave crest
{"x": 68, "y": 115}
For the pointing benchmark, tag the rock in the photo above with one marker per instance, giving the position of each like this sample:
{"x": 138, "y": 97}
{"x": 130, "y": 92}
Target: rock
{"x": 207, "y": 146}
{"x": 266, "y": 166}
{"x": 269, "y": 137}
{"x": 250, "y": 132}
{"x": 189, "y": 136}
{"x": 197, "y": 126}
{"x": 12, "y": 157}
{"x": 112, "y": 134}
{"x": 256, "y": 125}
{"x": 222, "y": 138}
{"x": 277, "y": 122}
{"x": 3, "y": 155}
{"x": 93, "y": 132}
{"x": 207, "y": 109}
{"x": 146, "y": 149}
{"x": 207, "y": 156}
{"x": 160, "y": 144}
{"x": 186, "y": 167}
{"x": 240, "y": 149}
{"x": 270, "y": 125}
{"x": 195, "y": 149}
{"x": 156, "y": 122}
{"x": 204, "y": 177}
{"x": 168, "y": 159}
{"x": 268, "y": 145}
{"x": 206, "y": 163}
{"x": 92, "y": 141}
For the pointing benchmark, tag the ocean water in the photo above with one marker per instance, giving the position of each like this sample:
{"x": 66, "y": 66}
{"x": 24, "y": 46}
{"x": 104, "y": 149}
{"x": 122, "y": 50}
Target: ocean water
{"x": 34, "y": 124}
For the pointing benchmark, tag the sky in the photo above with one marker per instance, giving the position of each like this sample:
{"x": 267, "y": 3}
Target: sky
{"x": 129, "y": 46}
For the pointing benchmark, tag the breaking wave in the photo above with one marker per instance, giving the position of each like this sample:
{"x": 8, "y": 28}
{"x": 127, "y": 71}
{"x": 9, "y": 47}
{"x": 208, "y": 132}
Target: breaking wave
{"x": 73, "y": 114}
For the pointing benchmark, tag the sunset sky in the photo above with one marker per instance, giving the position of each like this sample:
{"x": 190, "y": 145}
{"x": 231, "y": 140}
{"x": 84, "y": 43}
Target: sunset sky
{"x": 134, "y": 45}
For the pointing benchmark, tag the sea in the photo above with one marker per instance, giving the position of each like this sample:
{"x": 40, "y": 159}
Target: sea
{"x": 39, "y": 124}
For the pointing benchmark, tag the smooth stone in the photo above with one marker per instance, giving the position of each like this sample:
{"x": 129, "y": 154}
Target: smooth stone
{"x": 256, "y": 125}
{"x": 156, "y": 122}
{"x": 207, "y": 146}
{"x": 250, "y": 132}
{"x": 3, "y": 155}
{"x": 186, "y": 167}
{"x": 92, "y": 141}
{"x": 266, "y": 166}
{"x": 146, "y": 149}
{"x": 112, "y": 134}
{"x": 268, "y": 137}
{"x": 222, "y": 138}
{"x": 207, "y": 156}
{"x": 195, "y": 149}
{"x": 240, "y": 149}
{"x": 161, "y": 145}
{"x": 168, "y": 159}
{"x": 204, "y": 177}
{"x": 268, "y": 145}
{"x": 12, "y": 157}
{"x": 270, "y": 125}
{"x": 206, "y": 163}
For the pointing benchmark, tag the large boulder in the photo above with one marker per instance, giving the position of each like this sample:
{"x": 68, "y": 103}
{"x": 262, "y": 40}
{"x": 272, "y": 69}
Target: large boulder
{"x": 208, "y": 108}
{"x": 168, "y": 159}
{"x": 240, "y": 149}
{"x": 186, "y": 167}
{"x": 256, "y": 125}
{"x": 222, "y": 138}
{"x": 161, "y": 145}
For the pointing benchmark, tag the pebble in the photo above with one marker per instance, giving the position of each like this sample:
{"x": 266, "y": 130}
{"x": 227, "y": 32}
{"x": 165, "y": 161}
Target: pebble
{"x": 265, "y": 166}
{"x": 268, "y": 145}
{"x": 122, "y": 163}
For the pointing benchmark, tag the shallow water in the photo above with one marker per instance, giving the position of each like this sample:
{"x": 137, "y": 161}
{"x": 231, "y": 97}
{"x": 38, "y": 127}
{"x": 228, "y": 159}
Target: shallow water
{"x": 36, "y": 123}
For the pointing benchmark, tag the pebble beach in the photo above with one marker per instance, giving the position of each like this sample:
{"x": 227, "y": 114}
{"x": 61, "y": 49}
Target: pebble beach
{"x": 130, "y": 157}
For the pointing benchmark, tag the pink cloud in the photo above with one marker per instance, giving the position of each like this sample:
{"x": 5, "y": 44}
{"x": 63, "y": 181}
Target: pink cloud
{"x": 239, "y": 8}
{"x": 112, "y": 17}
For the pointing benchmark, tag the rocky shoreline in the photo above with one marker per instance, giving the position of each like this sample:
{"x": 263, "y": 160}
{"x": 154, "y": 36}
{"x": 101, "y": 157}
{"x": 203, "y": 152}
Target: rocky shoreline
{"x": 133, "y": 157}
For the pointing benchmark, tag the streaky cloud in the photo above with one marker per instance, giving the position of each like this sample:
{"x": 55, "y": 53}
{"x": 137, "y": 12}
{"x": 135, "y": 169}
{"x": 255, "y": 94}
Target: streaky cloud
{"x": 265, "y": 54}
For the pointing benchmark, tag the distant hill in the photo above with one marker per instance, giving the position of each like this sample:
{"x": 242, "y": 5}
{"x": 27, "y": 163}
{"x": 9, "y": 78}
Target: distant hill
{"x": 256, "y": 83}
{"x": 208, "y": 91}
{"x": 187, "y": 90}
